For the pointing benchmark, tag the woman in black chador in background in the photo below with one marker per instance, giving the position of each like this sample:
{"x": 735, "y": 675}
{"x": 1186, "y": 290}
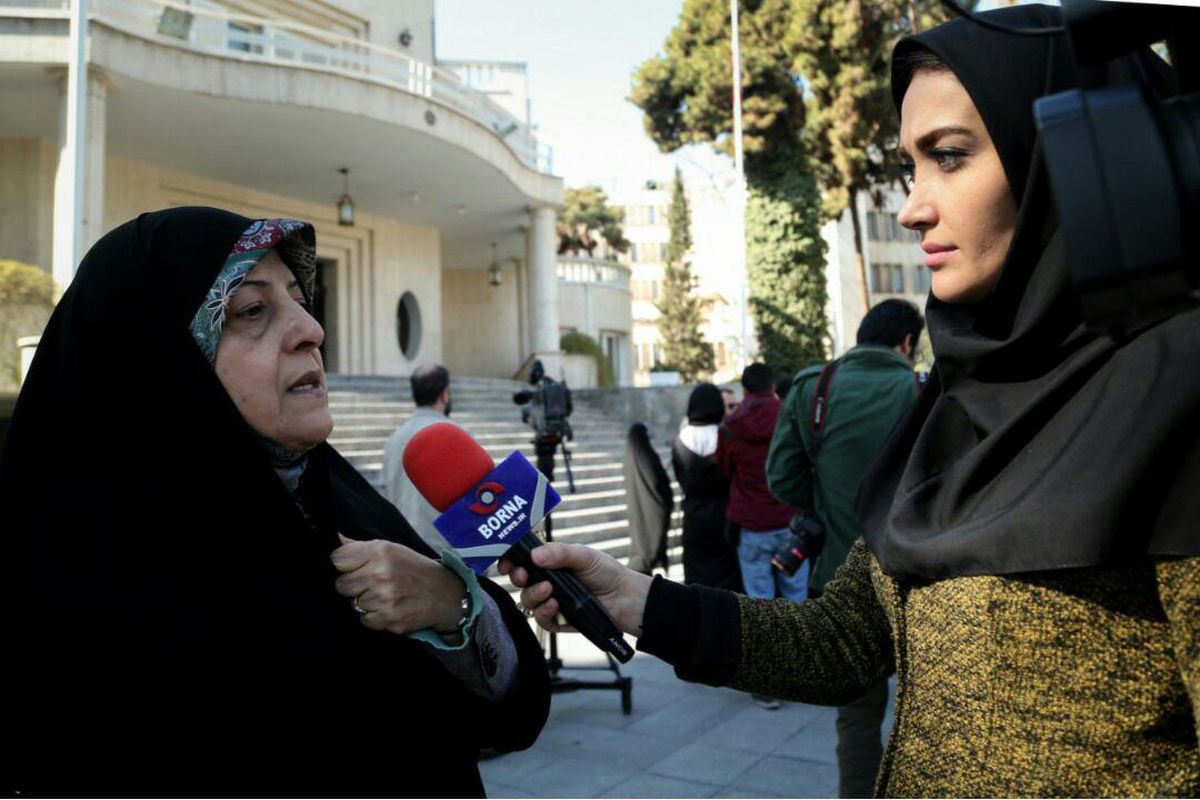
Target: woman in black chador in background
{"x": 709, "y": 557}
{"x": 201, "y": 597}
{"x": 650, "y": 501}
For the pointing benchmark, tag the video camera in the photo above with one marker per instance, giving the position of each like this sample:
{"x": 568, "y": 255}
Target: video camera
{"x": 546, "y": 407}
{"x": 1123, "y": 154}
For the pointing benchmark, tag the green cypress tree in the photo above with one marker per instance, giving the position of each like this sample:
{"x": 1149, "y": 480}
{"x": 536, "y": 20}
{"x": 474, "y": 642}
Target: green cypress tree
{"x": 686, "y": 95}
{"x": 680, "y": 309}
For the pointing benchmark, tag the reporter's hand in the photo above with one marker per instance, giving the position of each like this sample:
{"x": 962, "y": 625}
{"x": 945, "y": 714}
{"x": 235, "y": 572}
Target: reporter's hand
{"x": 621, "y": 591}
{"x": 397, "y": 589}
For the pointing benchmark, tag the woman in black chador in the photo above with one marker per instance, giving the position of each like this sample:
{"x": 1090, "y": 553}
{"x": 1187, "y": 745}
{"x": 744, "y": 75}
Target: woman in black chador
{"x": 202, "y": 597}
{"x": 650, "y": 501}
{"x": 709, "y": 557}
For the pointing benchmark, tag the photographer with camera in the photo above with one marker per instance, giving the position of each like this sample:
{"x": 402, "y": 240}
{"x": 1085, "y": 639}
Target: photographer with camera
{"x": 545, "y": 408}
{"x": 1030, "y": 560}
{"x": 833, "y": 423}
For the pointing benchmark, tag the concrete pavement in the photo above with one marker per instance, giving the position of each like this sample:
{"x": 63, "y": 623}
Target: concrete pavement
{"x": 681, "y": 740}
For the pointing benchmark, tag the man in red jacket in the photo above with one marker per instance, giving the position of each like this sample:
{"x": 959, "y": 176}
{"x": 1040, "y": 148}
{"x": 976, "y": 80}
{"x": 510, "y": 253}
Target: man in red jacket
{"x": 742, "y": 447}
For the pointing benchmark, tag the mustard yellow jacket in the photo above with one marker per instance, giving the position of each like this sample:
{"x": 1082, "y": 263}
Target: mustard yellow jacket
{"x": 1080, "y": 682}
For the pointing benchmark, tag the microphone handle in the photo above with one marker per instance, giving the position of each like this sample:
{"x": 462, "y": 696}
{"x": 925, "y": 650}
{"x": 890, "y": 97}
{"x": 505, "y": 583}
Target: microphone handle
{"x": 581, "y": 608}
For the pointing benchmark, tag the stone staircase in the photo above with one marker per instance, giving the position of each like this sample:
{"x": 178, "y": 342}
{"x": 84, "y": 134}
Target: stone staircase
{"x": 366, "y": 409}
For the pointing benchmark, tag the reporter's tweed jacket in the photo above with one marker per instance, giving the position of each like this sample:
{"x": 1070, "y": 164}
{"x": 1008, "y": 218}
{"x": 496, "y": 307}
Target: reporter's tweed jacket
{"x": 1073, "y": 682}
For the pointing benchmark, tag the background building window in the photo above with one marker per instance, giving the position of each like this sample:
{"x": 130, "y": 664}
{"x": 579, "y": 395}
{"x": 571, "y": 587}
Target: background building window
{"x": 921, "y": 276}
{"x": 887, "y": 278}
{"x": 244, "y": 37}
{"x": 408, "y": 325}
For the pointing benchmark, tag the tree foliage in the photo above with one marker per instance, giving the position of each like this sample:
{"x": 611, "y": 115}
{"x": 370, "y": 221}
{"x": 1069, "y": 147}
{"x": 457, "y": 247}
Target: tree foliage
{"x": 580, "y": 343}
{"x": 26, "y": 300}
{"x": 25, "y": 284}
{"x": 843, "y": 49}
{"x": 585, "y": 219}
{"x": 681, "y": 310}
{"x": 686, "y": 95}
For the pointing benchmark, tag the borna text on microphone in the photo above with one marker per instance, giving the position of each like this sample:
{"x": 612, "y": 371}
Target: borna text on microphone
{"x": 490, "y": 511}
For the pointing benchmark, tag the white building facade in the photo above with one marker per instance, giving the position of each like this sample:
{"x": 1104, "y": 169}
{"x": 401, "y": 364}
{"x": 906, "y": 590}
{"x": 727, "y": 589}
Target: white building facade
{"x": 714, "y": 263}
{"x": 254, "y": 106}
{"x": 895, "y": 265}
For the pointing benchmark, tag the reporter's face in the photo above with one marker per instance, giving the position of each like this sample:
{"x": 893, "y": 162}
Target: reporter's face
{"x": 268, "y": 358}
{"x": 959, "y": 200}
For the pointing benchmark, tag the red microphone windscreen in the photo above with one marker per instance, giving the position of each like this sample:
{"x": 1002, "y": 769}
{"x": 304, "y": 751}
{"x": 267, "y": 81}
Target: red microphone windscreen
{"x": 444, "y": 462}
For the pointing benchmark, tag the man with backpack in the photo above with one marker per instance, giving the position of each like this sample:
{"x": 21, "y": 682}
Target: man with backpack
{"x": 834, "y": 421}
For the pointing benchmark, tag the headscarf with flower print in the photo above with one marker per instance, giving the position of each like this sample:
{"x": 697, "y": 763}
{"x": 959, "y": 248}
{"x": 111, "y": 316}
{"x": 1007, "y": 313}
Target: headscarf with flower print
{"x": 295, "y": 241}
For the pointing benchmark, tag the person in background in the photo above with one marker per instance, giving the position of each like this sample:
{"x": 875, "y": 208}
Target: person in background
{"x": 818, "y": 468}
{"x": 650, "y": 501}
{"x": 431, "y": 395}
{"x": 742, "y": 444}
{"x": 709, "y": 558}
{"x": 729, "y": 398}
{"x": 782, "y": 387}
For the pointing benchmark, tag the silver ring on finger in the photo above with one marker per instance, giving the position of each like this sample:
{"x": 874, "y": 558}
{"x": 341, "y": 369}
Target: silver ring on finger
{"x": 361, "y": 611}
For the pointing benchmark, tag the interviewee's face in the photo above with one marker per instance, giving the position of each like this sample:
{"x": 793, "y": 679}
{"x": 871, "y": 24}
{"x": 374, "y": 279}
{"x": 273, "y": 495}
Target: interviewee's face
{"x": 959, "y": 201}
{"x": 268, "y": 358}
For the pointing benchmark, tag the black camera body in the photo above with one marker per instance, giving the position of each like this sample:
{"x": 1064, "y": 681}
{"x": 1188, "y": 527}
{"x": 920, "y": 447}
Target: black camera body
{"x": 1124, "y": 163}
{"x": 808, "y": 540}
{"x": 544, "y": 408}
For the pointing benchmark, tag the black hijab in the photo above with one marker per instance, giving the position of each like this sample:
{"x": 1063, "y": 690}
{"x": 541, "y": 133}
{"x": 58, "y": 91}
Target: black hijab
{"x": 1037, "y": 445}
{"x": 705, "y": 405}
{"x": 170, "y": 613}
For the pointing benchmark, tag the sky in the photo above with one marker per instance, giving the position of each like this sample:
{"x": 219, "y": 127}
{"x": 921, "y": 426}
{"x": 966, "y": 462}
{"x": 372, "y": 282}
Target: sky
{"x": 581, "y": 55}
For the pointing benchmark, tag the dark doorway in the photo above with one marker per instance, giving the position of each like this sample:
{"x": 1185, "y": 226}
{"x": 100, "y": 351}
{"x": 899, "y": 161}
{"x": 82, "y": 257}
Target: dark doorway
{"x": 325, "y": 309}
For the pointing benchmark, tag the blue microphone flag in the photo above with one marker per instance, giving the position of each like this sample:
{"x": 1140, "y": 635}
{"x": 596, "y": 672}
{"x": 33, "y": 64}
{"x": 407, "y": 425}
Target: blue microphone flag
{"x": 497, "y": 512}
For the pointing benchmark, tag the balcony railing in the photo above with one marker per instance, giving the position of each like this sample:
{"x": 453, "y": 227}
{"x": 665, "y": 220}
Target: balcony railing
{"x": 580, "y": 269}
{"x": 207, "y": 27}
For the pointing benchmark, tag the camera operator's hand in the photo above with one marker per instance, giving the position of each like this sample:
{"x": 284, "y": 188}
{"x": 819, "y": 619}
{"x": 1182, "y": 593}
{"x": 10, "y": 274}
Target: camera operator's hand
{"x": 620, "y": 590}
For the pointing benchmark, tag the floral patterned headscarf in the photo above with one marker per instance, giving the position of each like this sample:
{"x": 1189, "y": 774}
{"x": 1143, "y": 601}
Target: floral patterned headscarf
{"x": 296, "y": 243}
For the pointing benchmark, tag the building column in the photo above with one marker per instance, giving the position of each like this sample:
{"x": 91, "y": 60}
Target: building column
{"x": 542, "y": 278}
{"x": 79, "y": 221}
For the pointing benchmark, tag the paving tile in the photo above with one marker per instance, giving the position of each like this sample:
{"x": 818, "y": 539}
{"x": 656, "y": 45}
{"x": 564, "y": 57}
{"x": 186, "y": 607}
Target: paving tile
{"x": 631, "y": 750}
{"x": 504, "y": 790}
{"x": 645, "y": 785}
{"x": 757, "y": 729}
{"x": 568, "y": 776}
{"x": 788, "y": 777}
{"x": 815, "y": 742}
{"x": 705, "y": 763}
{"x": 510, "y": 768}
{"x": 690, "y": 717}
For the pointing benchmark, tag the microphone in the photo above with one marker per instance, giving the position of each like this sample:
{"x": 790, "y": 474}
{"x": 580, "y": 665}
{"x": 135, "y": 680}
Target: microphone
{"x": 489, "y": 511}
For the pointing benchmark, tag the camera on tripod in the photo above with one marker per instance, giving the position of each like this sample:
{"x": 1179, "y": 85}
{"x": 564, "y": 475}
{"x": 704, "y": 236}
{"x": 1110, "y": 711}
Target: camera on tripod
{"x": 808, "y": 540}
{"x": 545, "y": 408}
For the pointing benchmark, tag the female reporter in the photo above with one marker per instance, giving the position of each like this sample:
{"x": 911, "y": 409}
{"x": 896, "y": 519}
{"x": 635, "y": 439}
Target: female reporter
{"x": 202, "y": 597}
{"x": 1031, "y": 529}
